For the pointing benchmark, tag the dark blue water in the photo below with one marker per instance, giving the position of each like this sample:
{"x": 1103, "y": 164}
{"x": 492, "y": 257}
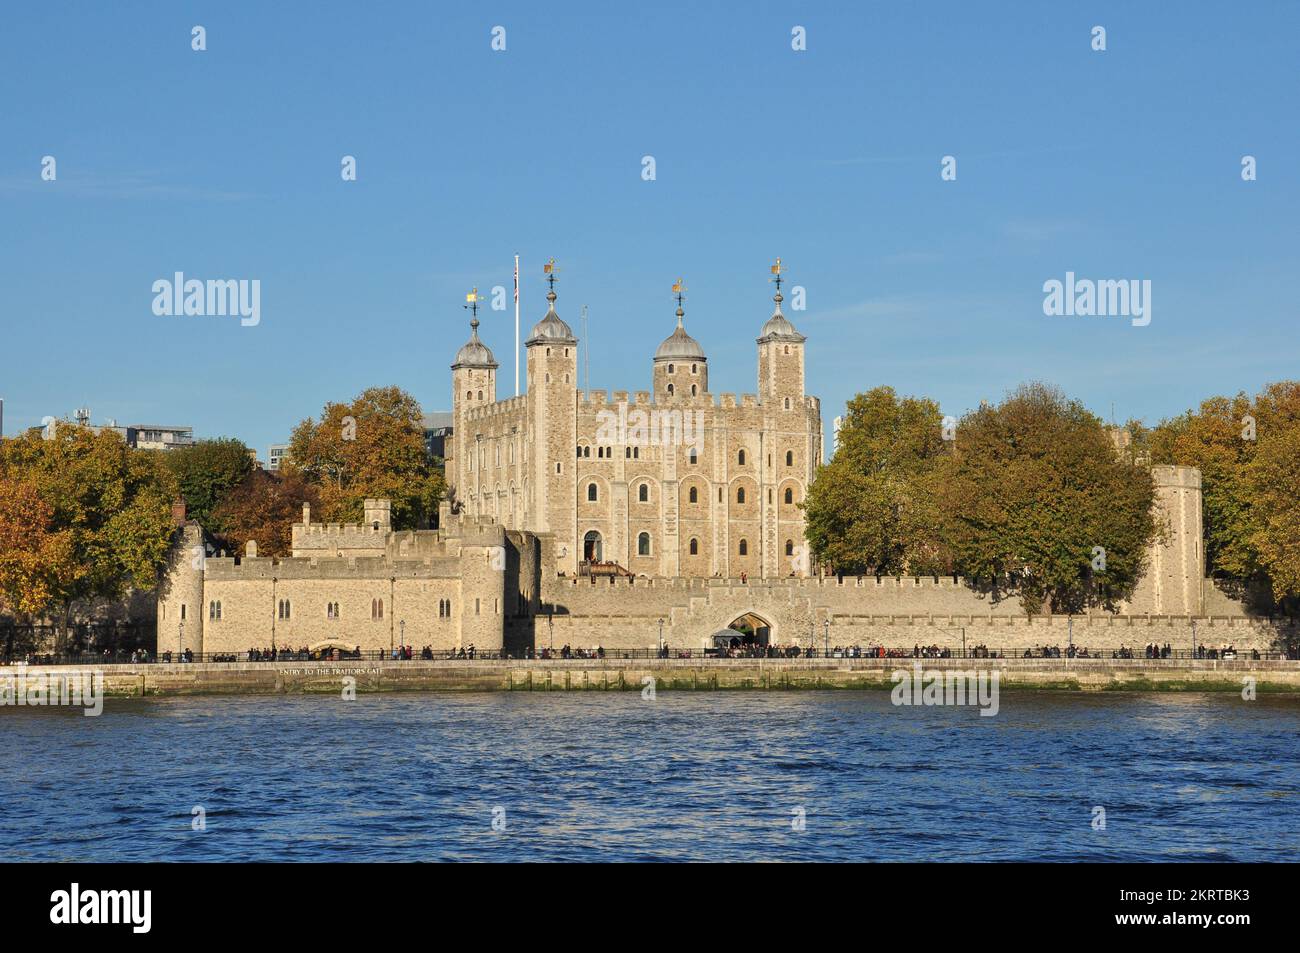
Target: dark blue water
{"x": 686, "y": 776}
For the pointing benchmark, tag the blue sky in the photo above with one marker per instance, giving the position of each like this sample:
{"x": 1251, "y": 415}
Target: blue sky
{"x": 225, "y": 164}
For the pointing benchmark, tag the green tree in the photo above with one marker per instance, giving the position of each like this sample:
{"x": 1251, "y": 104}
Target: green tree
{"x": 108, "y": 505}
{"x": 1038, "y": 503}
{"x": 872, "y": 508}
{"x": 372, "y": 447}
{"x": 205, "y": 472}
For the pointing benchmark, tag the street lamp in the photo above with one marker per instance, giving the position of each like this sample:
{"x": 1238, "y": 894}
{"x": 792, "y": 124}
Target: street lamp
{"x": 826, "y": 628}
{"x": 661, "y": 638}
{"x": 550, "y": 630}
{"x": 403, "y": 627}
{"x": 180, "y": 644}
{"x": 1193, "y": 638}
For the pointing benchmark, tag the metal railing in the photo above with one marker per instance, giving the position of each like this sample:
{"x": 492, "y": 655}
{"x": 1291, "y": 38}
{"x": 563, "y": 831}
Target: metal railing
{"x": 709, "y": 655}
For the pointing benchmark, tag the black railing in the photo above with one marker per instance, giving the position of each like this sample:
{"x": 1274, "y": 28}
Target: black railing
{"x": 377, "y": 655}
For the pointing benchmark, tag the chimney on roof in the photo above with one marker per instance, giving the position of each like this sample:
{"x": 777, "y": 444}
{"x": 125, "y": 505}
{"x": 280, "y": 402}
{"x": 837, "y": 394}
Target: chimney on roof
{"x": 178, "y": 511}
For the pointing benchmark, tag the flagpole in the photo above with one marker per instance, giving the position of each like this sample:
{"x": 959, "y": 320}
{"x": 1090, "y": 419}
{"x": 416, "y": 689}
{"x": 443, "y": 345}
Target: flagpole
{"x": 516, "y": 325}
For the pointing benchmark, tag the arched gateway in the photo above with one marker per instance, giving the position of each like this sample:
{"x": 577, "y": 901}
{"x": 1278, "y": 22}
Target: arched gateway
{"x": 747, "y": 629}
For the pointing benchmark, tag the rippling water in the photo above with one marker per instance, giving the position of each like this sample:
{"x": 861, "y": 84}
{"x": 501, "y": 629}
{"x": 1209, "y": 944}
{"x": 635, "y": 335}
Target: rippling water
{"x": 686, "y": 776}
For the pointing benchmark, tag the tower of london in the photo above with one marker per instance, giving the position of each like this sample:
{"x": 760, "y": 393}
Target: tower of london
{"x": 671, "y": 481}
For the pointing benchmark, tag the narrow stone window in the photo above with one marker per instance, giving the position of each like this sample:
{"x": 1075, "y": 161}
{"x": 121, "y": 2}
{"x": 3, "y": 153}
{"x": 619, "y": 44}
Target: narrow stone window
{"x": 695, "y": 546}
{"x": 740, "y": 458}
{"x": 643, "y": 493}
{"x": 789, "y": 495}
{"x": 740, "y": 495}
{"x": 744, "y": 547}
{"x": 643, "y": 544}
{"x": 695, "y": 495}
{"x": 591, "y": 492}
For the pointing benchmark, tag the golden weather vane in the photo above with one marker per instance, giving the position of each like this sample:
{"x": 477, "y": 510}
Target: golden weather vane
{"x": 471, "y": 303}
{"x": 550, "y": 270}
{"x": 777, "y": 269}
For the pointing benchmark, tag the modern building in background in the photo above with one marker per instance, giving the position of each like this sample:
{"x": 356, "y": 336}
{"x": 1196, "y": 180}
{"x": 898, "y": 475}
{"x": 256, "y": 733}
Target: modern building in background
{"x": 139, "y": 436}
{"x": 437, "y": 428}
{"x": 276, "y": 454}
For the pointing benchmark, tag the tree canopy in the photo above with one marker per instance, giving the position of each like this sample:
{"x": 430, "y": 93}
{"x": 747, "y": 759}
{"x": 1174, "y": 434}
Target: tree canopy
{"x": 372, "y": 447}
{"x": 95, "y": 516}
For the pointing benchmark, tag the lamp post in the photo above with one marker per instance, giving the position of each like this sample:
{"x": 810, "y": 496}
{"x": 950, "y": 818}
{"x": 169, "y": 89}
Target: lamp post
{"x": 826, "y": 629}
{"x": 403, "y": 627}
{"x": 550, "y": 630}
{"x": 661, "y": 638}
{"x": 180, "y": 643}
{"x": 1193, "y": 638}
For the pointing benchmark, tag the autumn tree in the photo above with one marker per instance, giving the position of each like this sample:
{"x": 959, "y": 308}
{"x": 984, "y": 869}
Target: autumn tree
{"x": 1246, "y": 450}
{"x": 1037, "y": 502}
{"x": 264, "y": 507}
{"x": 100, "y": 510}
{"x": 872, "y": 508}
{"x": 205, "y": 472}
{"x": 372, "y": 447}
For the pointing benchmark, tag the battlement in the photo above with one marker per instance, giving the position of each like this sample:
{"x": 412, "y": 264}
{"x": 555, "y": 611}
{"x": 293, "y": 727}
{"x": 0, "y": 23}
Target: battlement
{"x": 329, "y": 567}
{"x": 501, "y": 408}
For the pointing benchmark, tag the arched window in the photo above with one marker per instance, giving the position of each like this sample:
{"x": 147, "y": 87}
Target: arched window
{"x": 636, "y": 453}
{"x": 719, "y": 494}
{"x": 744, "y": 547}
{"x": 627, "y": 453}
{"x": 695, "y": 495}
{"x": 670, "y": 369}
{"x": 789, "y": 495}
{"x": 670, "y": 390}
{"x": 789, "y": 547}
{"x": 787, "y": 403}
{"x": 579, "y": 452}
{"x": 693, "y": 456}
{"x": 692, "y": 390}
{"x": 586, "y": 451}
{"x": 740, "y": 494}
{"x": 789, "y": 458}
{"x": 740, "y": 458}
{"x": 469, "y": 395}
{"x": 695, "y": 546}
{"x": 591, "y": 492}
{"x": 480, "y": 395}
{"x": 329, "y": 610}
{"x": 643, "y": 544}
{"x": 643, "y": 493}
{"x": 787, "y": 349}
{"x": 694, "y": 368}
{"x": 218, "y": 610}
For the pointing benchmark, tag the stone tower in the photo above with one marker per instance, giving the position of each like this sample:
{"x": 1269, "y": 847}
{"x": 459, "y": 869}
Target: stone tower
{"x": 1175, "y": 573}
{"x": 473, "y": 384}
{"x": 680, "y": 367}
{"x": 180, "y": 589}
{"x": 552, "y": 371}
{"x": 780, "y": 355}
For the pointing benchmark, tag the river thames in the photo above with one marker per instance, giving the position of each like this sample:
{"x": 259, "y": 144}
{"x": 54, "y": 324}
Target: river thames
{"x": 755, "y": 776}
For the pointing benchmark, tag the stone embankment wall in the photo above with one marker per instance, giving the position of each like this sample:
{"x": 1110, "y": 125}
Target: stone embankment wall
{"x": 328, "y": 678}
